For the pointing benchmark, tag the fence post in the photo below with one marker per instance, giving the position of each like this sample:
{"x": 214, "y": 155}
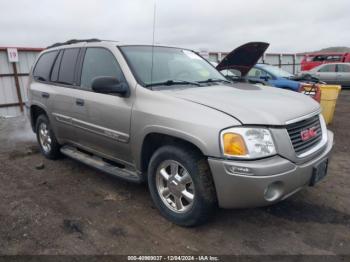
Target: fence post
{"x": 15, "y": 73}
{"x": 280, "y": 60}
{"x": 294, "y": 63}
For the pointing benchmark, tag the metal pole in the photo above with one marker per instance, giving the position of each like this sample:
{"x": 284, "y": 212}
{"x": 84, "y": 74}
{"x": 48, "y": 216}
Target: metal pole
{"x": 294, "y": 63}
{"x": 17, "y": 86}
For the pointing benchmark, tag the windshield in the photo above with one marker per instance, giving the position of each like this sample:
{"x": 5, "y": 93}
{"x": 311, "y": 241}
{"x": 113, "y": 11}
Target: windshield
{"x": 171, "y": 65}
{"x": 276, "y": 71}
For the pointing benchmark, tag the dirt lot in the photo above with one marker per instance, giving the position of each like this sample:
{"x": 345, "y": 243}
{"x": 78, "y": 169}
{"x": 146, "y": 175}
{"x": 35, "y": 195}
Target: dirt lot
{"x": 64, "y": 207}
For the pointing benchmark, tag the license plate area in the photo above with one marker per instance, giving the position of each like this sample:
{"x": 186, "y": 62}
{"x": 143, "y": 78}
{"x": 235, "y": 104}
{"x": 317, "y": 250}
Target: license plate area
{"x": 319, "y": 172}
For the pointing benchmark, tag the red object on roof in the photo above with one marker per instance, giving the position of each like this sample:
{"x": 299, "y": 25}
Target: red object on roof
{"x": 315, "y": 59}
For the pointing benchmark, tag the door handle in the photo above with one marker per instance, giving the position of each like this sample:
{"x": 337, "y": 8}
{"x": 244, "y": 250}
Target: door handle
{"x": 45, "y": 95}
{"x": 79, "y": 102}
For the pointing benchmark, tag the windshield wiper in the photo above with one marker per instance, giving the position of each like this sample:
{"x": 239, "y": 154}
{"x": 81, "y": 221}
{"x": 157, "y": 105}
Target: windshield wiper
{"x": 173, "y": 82}
{"x": 213, "y": 80}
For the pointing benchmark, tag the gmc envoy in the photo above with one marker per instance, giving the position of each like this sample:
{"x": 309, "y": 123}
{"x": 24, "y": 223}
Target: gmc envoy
{"x": 167, "y": 116}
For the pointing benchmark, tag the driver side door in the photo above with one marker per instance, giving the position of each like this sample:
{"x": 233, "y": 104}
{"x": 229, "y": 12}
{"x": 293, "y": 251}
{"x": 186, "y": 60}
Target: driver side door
{"x": 104, "y": 127}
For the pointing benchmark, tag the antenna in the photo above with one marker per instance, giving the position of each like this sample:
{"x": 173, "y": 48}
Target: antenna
{"x": 154, "y": 26}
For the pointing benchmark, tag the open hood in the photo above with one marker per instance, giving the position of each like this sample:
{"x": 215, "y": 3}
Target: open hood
{"x": 244, "y": 57}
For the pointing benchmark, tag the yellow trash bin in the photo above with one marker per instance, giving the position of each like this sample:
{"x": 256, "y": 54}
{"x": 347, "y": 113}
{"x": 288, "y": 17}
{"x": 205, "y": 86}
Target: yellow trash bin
{"x": 329, "y": 95}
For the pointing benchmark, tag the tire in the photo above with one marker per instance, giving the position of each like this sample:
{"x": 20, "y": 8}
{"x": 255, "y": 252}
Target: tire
{"x": 47, "y": 141}
{"x": 188, "y": 212}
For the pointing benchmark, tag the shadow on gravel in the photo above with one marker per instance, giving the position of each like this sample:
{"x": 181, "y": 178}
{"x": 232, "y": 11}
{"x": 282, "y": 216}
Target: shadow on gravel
{"x": 306, "y": 212}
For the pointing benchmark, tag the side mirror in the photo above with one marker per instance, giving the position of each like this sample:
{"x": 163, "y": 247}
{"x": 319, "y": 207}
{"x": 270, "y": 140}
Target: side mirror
{"x": 109, "y": 85}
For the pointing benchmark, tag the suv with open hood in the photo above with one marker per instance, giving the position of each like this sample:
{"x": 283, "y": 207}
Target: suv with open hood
{"x": 166, "y": 116}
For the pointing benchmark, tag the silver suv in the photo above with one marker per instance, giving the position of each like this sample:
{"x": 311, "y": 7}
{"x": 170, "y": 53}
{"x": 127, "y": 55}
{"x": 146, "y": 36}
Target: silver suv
{"x": 166, "y": 116}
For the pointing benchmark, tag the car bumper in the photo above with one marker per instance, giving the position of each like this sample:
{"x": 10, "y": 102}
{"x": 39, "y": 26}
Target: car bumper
{"x": 242, "y": 184}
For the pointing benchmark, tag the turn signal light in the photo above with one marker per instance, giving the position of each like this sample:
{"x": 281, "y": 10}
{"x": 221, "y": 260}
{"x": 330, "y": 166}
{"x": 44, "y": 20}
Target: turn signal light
{"x": 234, "y": 145}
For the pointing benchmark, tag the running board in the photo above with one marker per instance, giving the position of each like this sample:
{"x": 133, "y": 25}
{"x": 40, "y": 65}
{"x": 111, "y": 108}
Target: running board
{"x": 101, "y": 165}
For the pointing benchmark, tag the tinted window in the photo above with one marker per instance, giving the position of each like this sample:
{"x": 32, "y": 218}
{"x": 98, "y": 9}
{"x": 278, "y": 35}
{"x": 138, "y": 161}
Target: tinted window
{"x": 56, "y": 67}
{"x": 344, "y": 68}
{"x": 43, "y": 67}
{"x": 99, "y": 62}
{"x": 67, "y": 69}
{"x": 320, "y": 58}
{"x": 327, "y": 68}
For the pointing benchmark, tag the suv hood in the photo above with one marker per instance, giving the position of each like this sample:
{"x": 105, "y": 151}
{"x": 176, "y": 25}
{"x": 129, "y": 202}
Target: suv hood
{"x": 251, "y": 104}
{"x": 244, "y": 57}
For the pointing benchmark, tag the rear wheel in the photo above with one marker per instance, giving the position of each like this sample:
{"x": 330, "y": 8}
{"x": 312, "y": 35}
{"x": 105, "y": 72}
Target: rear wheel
{"x": 49, "y": 146}
{"x": 181, "y": 185}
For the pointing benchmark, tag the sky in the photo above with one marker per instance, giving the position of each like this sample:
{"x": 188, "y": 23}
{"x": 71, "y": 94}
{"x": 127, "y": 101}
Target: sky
{"x": 215, "y": 25}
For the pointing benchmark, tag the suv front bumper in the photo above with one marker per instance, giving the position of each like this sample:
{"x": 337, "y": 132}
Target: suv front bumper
{"x": 262, "y": 182}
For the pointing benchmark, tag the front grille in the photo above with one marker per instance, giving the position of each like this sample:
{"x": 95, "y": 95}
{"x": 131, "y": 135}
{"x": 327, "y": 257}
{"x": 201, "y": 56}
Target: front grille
{"x": 295, "y": 130}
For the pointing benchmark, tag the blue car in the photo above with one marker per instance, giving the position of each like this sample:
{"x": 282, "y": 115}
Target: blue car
{"x": 274, "y": 76}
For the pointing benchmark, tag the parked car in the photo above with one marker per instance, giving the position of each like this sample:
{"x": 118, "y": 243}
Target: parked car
{"x": 166, "y": 116}
{"x": 335, "y": 73}
{"x": 278, "y": 77}
{"x": 241, "y": 63}
{"x": 315, "y": 59}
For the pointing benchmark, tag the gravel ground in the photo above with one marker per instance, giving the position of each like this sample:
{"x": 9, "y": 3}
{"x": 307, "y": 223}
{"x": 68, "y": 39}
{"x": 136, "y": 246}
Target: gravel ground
{"x": 64, "y": 207}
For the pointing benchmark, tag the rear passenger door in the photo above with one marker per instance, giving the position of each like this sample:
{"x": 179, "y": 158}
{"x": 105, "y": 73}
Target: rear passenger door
{"x": 63, "y": 95}
{"x": 105, "y": 126}
{"x": 327, "y": 73}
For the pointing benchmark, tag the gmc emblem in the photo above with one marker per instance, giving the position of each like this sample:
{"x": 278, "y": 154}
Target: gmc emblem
{"x": 308, "y": 133}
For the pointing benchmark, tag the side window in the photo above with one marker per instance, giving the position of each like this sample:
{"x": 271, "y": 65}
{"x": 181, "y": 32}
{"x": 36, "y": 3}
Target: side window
{"x": 43, "y": 67}
{"x": 319, "y": 58}
{"x": 56, "y": 67}
{"x": 99, "y": 62}
{"x": 67, "y": 69}
{"x": 344, "y": 68}
{"x": 255, "y": 73}
{"x": 327, "y": 68}
{"x": 333, "y": 58}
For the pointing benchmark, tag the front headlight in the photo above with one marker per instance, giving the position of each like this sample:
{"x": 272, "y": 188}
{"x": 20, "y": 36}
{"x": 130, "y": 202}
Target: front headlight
{"x": 247, "y": 142}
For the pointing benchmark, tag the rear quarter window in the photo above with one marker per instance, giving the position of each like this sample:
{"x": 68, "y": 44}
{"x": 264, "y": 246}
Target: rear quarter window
{"x": 43, "y": 67}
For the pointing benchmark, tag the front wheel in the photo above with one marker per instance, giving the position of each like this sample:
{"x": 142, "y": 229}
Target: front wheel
{"x": 181, "y": 185}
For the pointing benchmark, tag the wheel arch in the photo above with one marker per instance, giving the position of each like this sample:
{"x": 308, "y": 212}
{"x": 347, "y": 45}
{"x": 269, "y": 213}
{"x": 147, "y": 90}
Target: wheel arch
{"x": 154, "y": 140}
{"x": 35, "y": 112}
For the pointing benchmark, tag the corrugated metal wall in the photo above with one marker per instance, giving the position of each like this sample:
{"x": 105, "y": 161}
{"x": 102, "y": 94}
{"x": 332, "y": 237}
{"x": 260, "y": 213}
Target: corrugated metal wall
{"x": 8, "y": 91}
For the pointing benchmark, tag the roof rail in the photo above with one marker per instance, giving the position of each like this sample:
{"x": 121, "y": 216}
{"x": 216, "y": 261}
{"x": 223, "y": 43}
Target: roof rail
{"x": 74, "y": 41}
